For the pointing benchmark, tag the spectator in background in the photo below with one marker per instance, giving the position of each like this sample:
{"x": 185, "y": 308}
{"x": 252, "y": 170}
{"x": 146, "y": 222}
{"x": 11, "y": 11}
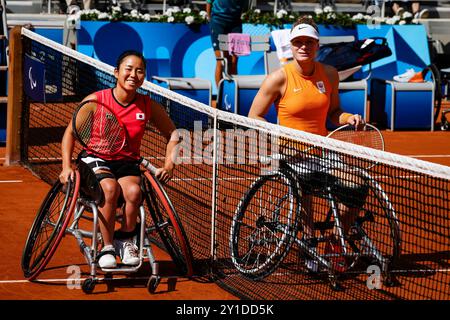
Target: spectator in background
{"x": 86, "y": 4}
{"x": 325, "y": 3}
{"x": 64, "y": 5}
{"x": 224, "y": 17}
{"x": 399, "y": 7}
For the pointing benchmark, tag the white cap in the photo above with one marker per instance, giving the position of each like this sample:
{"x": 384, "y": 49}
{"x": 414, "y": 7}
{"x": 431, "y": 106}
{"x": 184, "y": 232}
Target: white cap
{"x": 304, "y": 30}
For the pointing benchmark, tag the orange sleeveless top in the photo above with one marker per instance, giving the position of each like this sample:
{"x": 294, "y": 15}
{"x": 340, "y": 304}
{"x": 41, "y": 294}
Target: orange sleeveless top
{"x": 305, "y": 103}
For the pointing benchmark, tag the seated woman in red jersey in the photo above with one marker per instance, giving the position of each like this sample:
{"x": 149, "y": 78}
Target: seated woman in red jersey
{"x": 305, "y": 93}
{"x": 119, "y": 173}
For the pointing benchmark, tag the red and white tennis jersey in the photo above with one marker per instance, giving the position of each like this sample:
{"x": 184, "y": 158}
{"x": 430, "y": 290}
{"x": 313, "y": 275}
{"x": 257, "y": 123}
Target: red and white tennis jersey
{"x": 134, "y": 118}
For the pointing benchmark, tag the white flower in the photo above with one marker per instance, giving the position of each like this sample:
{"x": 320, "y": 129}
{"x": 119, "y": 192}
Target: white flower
{"x": 281, "y": 14}
{"x": 416, "y": 21}
{"x": 116, "y": 9}
{"x": 147, "y": 17}
{"x": 318, "y": 11}
{"x": 407, "y": 15}
{"x": 390, "y": 21}
{"x": 176, "y": 9}
{"x": 257, "y": 11}
{"x": 169, "y": 12}
{"x": 328, "y": 9}
{"x": 331, "y": 15}
{"x": 170, "y": 19}
{"x": 291, "y": 17}
{"x": 189, "y": 19}
{"x": 203, "y": 14}
{"x": 402, "y": 22}
{"x": 187, "y": 10}
{"x": 103, "y": 15}
{"x": 358, "y": 16}
{"x": 134, "y": 13}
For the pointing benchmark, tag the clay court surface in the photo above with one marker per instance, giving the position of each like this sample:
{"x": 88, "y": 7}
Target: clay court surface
{"x": 21, "y": 193}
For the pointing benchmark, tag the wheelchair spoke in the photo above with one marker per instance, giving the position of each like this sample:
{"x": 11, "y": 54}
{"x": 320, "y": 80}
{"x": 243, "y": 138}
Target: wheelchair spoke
{"x": 261, "y": 229}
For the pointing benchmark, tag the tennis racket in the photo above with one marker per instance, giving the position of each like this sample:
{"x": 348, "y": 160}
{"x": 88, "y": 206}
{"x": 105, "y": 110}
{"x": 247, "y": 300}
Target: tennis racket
{"x": 369, "y": 136}
{"x": 97, "y": 128}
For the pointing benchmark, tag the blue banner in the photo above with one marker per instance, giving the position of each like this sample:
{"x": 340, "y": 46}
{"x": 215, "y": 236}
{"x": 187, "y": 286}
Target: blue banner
{"x": 34, "y": 78}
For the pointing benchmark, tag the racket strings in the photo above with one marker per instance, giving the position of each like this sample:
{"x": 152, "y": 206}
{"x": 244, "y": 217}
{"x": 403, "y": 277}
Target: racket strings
{"x": 368, "y": 137}
{"x": 84, "y": 127}
{"x": 99, "y": 130}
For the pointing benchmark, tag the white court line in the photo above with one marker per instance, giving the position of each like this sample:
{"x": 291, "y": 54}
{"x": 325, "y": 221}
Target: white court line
{"x": 82, "y": 279}
{"x": 116, "y": 278}
{"x": 364, "y": 273}
{"x": 428, "y": 155}
{"x": 11, "y": 181}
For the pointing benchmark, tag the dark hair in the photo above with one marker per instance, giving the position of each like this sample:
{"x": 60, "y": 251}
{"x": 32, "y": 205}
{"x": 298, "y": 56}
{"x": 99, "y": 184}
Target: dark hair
{"x": 306, "y": 20}
{"x": 130, "y": 53}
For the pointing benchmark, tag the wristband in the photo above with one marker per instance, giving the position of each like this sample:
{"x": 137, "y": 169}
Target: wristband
{"x": 343, "y": 118}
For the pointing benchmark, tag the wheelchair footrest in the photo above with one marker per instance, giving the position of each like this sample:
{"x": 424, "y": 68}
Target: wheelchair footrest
{"x": 121, "y": 268}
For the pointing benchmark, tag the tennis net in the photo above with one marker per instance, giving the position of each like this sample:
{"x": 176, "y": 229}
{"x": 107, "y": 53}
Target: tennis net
{"x": 263, "y": 205}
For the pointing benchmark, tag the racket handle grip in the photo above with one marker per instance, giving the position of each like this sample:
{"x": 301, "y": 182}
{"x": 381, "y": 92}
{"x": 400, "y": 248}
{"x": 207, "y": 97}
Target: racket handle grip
{"x": 148, "y": 165}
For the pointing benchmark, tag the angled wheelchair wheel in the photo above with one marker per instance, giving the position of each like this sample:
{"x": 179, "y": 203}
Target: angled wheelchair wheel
{"x": 375, "y": 236}
{"x": 49, "y": 227}
{"x": 264, "y": 225}
{"x": 167, "y": 224}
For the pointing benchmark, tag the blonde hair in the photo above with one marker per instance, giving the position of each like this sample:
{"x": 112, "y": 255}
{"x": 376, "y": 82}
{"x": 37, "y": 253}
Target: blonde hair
{"x": 306, "y": 20}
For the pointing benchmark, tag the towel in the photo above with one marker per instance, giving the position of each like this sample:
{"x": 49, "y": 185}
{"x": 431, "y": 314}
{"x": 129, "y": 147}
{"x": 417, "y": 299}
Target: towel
{"x": 282, "y": 44}
{"x": 239, "y": 44}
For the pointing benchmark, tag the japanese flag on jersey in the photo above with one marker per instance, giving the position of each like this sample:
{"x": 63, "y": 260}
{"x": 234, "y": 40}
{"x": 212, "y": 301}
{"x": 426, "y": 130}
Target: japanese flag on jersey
{"x": 140, "y": 116}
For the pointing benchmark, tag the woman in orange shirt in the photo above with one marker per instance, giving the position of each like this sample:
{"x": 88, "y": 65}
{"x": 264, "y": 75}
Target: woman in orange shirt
{"x": 305, "y": 93}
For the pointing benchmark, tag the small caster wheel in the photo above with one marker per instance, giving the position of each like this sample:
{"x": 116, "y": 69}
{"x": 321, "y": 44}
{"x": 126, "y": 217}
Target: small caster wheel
{"x": 444, "y": 126}
{"x": 88, "y": 285}
{"x": 153, "y": 283}
{"x": 390, "y": 281}
{"x": 335, "y": 285}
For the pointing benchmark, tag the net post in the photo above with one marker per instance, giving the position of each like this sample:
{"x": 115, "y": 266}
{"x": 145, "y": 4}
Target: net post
{"x": 214, "y": 194}
{"x": 15, "y": 97}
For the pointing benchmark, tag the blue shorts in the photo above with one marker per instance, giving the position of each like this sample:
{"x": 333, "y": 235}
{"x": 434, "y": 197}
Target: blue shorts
{"x": 218, "y": 26}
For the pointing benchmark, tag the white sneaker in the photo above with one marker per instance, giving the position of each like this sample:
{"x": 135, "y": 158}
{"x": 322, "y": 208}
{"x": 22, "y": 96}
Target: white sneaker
{"x": 405, "y": 77}
{"x": 107, "y": 258}
{"x": 128, "y": 251}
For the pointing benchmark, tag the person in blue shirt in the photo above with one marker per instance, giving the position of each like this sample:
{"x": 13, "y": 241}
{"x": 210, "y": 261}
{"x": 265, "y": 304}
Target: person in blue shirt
{"x": 224, "y": 17}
